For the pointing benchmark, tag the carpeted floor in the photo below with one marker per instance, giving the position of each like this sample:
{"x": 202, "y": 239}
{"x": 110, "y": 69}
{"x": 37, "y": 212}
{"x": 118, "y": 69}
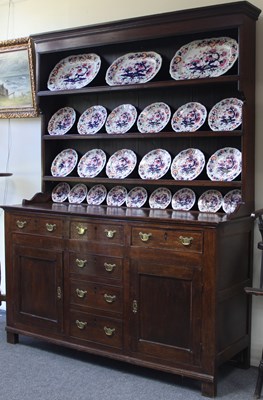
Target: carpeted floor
{"x": 35, "y": 370}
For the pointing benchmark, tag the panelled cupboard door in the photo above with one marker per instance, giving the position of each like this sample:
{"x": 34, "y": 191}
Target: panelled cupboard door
{"x": 166, "y": 307}
{"x": 37, "y": 287}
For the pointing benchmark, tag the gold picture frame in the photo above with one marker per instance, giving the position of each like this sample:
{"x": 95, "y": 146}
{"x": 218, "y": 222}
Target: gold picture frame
{"x": 17, "y": 79}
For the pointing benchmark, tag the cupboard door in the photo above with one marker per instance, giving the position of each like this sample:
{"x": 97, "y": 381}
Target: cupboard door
{"x": 37, "y": 288}
{"x": 166, "y": 305}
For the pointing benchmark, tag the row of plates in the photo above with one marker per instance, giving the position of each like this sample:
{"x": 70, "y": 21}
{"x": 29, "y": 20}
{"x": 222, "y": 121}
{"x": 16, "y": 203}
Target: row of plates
{"x": 210, "y": 57}
{"x": 224, "y": 165}
{"x": 226, "y": 115}
{"x": 183, "y": 200}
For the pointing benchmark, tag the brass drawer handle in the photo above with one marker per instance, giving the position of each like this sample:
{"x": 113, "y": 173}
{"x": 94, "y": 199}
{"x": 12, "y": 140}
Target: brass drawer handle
{"x": 109, "y": 331}
{"x": 50, "y": 227}
{"x": 81, "y": 263}
{"x": 81, "y": 293}
{"x": 81, "y": 230}
{"x": 109, "y": 298}
{"x": 134, "y": 306}
{"x": 144, "y": 236}
{"x": 109, "y": 234}
{"x": 81, "y": 324}
{"x": 109, "y": 267}
{"x": 21, "y": 224}
{"x": 185, "y": 240}
{"x": 59, "y": 293}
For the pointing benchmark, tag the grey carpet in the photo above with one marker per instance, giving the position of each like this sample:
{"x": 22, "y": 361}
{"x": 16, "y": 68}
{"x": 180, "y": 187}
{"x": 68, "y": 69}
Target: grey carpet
{"x": 36, "y": 370}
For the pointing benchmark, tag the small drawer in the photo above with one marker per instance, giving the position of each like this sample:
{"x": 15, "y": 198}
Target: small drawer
{"x": 23, "y": 223}
{"x": 87, "y": 265}
{"x": 111, "y": 234}
{"x": 93, "y": 295}
{"x": 50, "y": 227}
{"x": 177, "y": 240}
{"x": 96, "y": 329}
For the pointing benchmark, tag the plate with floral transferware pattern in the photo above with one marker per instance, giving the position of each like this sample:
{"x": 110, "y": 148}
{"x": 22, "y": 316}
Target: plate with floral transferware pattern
{"x": 91, "y": 163}
{"x": 121, "y": 164}
{"x": 188, "y": 164}
{"x": 78, "y": 193}
{"x": 204, "y": 58}
{"x": 183, "y": 199}
{"x": 231, "y": 201}
{"x": 121, "y": 119}
{"x": 116, "y": 196}
{"x": 224, "y": 165}
{"x": 64, "y": 163}
{"x": 96, "y": 195}
{"x": 62, "y": 121}
{"x": 154, "y": 118}
{"x": 133, "y": 68}
{"x": 226, "y": 115}
{"x": 74, "y": 72}
{"x": 160, "y": 198}
{"x": 210, "y": 201}
{"x": 155, "y": 164}
{"x": 60, "y": 192}
{"x": 136, "y": 197}
{"x": 189, "y": 117}
{"x": 92, "y": 120}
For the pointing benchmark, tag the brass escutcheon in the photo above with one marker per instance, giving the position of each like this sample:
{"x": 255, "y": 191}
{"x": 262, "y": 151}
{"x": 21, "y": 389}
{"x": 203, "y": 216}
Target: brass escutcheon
{"x": 109, "y": 331}
{"x": 109, "y": 298}
{"x": 21, "y": 224}
{"x": 109, "y": 234}
{"x": 81, "y": 230}
{"x": 81, "y": 263}
{"x": 144, "y": 236}
{"x": 50, "y": 227}
{"x": 109, "y": 267}
{"x": 81, "y": 293}
{"x": 186, "y": 241}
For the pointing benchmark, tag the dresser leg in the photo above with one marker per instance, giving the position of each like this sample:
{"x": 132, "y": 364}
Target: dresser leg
{"x": 208, "y": 389}
{"x": 12, "y": 338}
{"x": 258, "y": 389}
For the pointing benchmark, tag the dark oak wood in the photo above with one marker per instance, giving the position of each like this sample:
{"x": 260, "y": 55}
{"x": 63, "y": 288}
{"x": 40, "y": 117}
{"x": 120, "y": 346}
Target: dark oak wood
{"x": 163, "y": 289}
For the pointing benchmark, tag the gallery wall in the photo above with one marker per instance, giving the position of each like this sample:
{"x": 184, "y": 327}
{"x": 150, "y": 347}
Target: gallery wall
{"x": 20, "y": 144}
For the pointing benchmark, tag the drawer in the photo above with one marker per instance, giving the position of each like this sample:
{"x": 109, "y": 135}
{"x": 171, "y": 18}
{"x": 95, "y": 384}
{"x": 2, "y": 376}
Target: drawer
{"x": 40, "y": 225}
{"x": 176, "y": 240}
{"x": 103, "y": 297}
{"x": 107, "y": 233}
{"x": 96, "y": 329}
{"x": 87, "y": 265}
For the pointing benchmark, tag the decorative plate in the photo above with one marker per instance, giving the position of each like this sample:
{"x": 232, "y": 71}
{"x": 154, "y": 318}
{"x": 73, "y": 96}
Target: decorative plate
{"x": 189, "y": 117}
{"x": 160, "y": 198}
{"x": 204, "y": 58}
{"x": 92, "y": 120}
{"x": 133, "y": 68}
{"x": 121, "y": 164}
{"x": 231, "y": 201}
{"x": 121, "y": 119}
{"x": 60, "y": 192}
{"x": 78, "y": 193}
{"x": 62, "y": 121}
{"x": 226, "y": 115}
{"x": 91, "y": 163}
{"x": 188, "y": 164}
{"x": 154, "y": 164}
{"x": 154, "y": 118}
{"x": 136, "y": 197}
{"x": 224, "y": 165}
{"x": 116, "y": 196}
{"x": 183, "y": 199}
{"x": 210, "y": 201}
{"x": 96, "y": 195}
{"x": 74, "y": 72}
{"x": 64, "y": 163}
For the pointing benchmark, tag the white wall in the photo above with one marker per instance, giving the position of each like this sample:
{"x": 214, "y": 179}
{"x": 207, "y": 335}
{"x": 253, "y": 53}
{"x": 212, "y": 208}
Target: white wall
{"x": 20, "y": 138}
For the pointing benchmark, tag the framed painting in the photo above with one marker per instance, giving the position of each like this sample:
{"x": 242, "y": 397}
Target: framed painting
{"x": 17, "y": 80}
